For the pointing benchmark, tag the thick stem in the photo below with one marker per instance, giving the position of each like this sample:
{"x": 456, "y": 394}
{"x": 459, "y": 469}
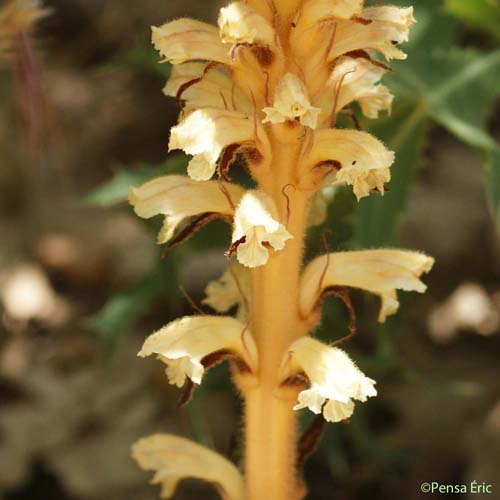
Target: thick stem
{"x": 270, "y": 422}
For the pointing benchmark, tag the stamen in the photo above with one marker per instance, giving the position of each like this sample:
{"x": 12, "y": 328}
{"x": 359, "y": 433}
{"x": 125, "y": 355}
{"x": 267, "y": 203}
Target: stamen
{"x": 338, "y": 86}
{"x": 191, "y": 301}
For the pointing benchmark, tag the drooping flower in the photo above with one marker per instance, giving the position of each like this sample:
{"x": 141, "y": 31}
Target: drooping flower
{"x": 184, "y": 343}
{"x": 290, "y": 102}
{"x": 256, "y": 227}
{"x": 381, "y": 272}
{"x": 357, "y": 80}
{"x": 335, "y": 381}
{"x": 363, "y": 160}
{"x": 174, "y": 458}
{"x": 233, "y": 288}
{"x": 178, "y": 197}
{"x": 205, "y": 87}
{"x": 205, "y": 133}
{"x": 385, "y": 27}
{"x": 189, "y": 40}
{"x": 240, "y": 23}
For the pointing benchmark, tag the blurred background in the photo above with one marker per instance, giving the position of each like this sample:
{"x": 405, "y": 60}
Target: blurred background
{"x": 83, "y": 118}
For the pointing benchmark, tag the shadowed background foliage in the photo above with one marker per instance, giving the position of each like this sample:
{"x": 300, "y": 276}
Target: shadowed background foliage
{"x": 82, "y": 283}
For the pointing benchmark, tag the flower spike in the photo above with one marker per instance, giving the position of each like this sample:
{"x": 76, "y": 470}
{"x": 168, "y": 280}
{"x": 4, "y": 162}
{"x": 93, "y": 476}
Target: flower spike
{"x": 381, "y": 272}
{"x": 174, "y": 458}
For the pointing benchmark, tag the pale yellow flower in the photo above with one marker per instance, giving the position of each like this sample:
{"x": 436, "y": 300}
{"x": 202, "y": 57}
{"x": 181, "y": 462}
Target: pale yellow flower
{"x": 334, "y": 379}
{"x": 240, "y": 23}
{"x": 357, "y": 80}
{"x": 206, "y": 88}
{"x": 184, "y": 343}
{"x": 205, "y": 133}
{"x": 290, "y": 102}
{"x": 178, "y": 197}
{"x": 233, "y": 288}
{"x": 363, "y": 160}
{"x": 388, "y": 26}
{"x": 381, "y": 272}
{"x": 174, "y": 458}
{"x": 256, "y": 224}
{"x": 189, "y": 40}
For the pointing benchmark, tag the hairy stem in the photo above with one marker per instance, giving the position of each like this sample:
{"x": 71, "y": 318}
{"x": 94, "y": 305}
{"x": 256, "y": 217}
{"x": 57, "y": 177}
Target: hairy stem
{"x": 270, "y": 423}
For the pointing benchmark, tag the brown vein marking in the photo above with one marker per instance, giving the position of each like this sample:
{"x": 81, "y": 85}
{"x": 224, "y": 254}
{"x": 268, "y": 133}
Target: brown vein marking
{"x": 194, "y": 81}
{"x": 191, "y": 301}
{"x": 342, "y": 294}
{"x": 361, "y": 54}
{"x": 234, "y": 246}
{"x": 193, "y": 227}
{"x": 227, "y": 159}
{"x": 338, "y": 87}
{"x": 283, "y": 192}
{"x": 310, "y": 439}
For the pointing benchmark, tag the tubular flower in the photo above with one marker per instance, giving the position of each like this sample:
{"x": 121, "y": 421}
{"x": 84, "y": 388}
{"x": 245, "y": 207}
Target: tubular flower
{"x": 174, "y": 458}
{"x": 357, "y": 80}
{"x": 184, "y": 343}
{"x": 233, "y": 288}
{"x": 205, "y": 133}
{"x": 178, "y": 197}
{"x": 335, "y": 381}
{"x": 189, "y": 40}
{"x": 290, "y": 102}
{"x": 203, "y": 87}
{"x": 363, "y": 161}
{"x": 255, "y": 225}
{"x": 381, "y": 272}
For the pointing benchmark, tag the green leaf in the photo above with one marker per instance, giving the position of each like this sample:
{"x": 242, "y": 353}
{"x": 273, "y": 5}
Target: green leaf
{"x": 377, "y": 217}
{"x": 116, "y": 189}
{"x": 481, "y": 14}
{"x": 453, "y": 87}
{"x": 492, "y": 180}
{"x": 123, "y": 310}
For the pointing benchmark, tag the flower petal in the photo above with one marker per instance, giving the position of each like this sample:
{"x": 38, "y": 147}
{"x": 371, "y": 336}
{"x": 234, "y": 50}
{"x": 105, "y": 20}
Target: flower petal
{"x": 364, "y": 160}
{"x": 240, "y": 23}
{"x": 183, "y": 344}
{"x": 178, "y": 197}
{"x": 174, "y": 458}
{"x": 381, "y": 272}
{"x": 233, "y": 288}
{"x": 388, "y": 26}
{"x": 255, "y": 220}
{"x": 333, "y": 378}
{"x": 188, "y": 40}
{"x": 315, "y": 11}
{"x": 205, "y": 133}
{"x": 209, "y": 89}
{"x": 291, "y": 101}
{"x": 357, "y": 80}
